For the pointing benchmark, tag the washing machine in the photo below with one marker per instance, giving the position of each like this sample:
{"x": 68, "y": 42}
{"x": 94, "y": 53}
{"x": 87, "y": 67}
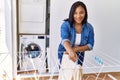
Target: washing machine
{"x": 32, "y": 53}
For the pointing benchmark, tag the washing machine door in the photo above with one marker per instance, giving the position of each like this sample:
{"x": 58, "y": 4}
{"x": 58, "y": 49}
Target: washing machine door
{"x": 33, "y": 50}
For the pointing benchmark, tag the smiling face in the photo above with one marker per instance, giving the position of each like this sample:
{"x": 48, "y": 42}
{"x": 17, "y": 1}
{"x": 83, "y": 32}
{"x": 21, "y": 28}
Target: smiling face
{"x": 79, "y": 15}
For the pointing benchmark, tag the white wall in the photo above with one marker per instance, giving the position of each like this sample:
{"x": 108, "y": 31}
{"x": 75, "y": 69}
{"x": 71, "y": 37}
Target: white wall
{"x": 8, "y": 23}
{"x": 8, "y": 60}
{"x": 102, "y": 14}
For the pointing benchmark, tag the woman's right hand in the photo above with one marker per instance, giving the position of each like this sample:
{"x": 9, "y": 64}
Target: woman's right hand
{"x": 71, "y": 52}
{"x": 73, "y": 56}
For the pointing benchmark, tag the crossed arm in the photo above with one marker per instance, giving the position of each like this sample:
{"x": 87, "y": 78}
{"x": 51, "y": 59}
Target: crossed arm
{"x": 71, "y": 51}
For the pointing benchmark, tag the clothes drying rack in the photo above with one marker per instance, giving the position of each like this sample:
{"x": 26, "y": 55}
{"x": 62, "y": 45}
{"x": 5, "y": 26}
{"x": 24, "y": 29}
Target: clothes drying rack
{"x": 96, "y": 63}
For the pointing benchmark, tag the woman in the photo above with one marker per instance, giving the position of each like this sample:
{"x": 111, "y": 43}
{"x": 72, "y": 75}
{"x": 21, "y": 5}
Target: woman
{"x": 77, "y": 34}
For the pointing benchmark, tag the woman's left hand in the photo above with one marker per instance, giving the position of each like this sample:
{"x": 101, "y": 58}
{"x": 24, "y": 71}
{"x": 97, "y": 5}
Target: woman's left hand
{"x": 75, "y": 48}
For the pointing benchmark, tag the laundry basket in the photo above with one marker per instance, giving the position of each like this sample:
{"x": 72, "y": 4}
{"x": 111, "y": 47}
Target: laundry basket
{"x": 69, "y": 70}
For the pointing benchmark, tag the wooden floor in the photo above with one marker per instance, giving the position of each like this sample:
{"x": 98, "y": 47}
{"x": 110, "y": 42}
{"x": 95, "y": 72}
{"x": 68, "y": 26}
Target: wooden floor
{"x": 102, "y": 76}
